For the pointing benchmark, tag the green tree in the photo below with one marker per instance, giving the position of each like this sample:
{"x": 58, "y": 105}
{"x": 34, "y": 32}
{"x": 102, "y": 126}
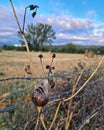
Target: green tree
{"x": 39, "y": 35}
{"x": 70, "y": 47}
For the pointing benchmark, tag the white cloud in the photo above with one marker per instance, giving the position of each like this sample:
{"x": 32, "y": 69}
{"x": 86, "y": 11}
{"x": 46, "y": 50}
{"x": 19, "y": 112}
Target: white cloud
{"x": 67, "y": 27}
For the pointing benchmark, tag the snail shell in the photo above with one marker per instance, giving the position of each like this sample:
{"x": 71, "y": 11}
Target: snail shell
{"x": 39, "y": 98}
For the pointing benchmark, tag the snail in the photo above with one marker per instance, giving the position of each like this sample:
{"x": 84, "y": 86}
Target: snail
{"x": 40, "y": 95}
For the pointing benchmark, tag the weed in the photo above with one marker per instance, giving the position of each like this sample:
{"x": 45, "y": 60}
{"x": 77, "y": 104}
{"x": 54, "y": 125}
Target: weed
{"x": 2, "y": 73}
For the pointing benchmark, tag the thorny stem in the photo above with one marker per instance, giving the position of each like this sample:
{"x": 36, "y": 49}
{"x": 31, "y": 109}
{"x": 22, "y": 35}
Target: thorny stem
{"x": 28, "y": 52}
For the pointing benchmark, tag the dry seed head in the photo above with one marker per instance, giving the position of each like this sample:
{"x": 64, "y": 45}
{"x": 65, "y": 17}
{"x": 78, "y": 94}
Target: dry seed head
{"x": 40, "y": 56}
{"x": 48, "y": 67}
{"x": 53, "y": 67}
{"x": 27, "y": 69}
{"x": 80, "y": 65}
{"x": 51, "y": 82}
{"x": 54, "y": 55}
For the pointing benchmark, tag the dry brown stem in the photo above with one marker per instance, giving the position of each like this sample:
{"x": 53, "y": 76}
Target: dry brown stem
{"x": 55, "y": 116}
{"x": 90, "y": 77}
{"x": 69, "y": 113}
{"x": 87, "y": 120}
{"x": 28, "y": 54}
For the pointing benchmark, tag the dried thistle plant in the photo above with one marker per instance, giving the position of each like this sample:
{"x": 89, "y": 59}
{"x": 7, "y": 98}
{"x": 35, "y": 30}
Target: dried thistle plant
{"x": 40, "y": 96}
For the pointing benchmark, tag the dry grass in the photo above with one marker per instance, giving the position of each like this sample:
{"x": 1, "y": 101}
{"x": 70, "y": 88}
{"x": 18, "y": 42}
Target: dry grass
{"x": 64, "y": 62}
{"x": 12, "y": 63}
{"x": 89, "y": 54}
{"x": 70, "y": 110}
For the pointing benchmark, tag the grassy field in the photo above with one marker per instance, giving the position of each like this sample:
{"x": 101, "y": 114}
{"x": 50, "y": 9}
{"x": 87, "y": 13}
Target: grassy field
{"x": 12, "y": 63}
{"x": 84, "y": 111}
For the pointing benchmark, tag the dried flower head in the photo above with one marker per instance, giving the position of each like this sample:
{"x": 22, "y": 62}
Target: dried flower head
{"x": 40, "y": 56}
{"x": 54, "y": 55}
{"x": 27, "y": 69}
{"x": 48, "y": 67}
{"x": 53, "y": 67}
{"x": 81, "y": 66}
{"x": 51, "y": 82}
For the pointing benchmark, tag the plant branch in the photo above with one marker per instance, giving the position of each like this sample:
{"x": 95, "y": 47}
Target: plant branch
{"x": 55, "y": 116}
{"x": 69, "y": 113}
{"x": 23, "y": 36}
{"x": 90, "y": 77}
{"x": 90, "y": 116}
{"x": 28, "y": 52}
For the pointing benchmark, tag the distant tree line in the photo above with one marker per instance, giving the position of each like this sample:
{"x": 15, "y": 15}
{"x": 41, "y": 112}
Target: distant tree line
{"x": 40, "y": 38}
{"x": 12, "y": 47}
{"x": 72, "y": 48}
{"x": 68, "y": 48}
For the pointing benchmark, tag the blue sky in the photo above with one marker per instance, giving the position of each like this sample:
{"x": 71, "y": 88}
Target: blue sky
{"x": 77, "y": 21}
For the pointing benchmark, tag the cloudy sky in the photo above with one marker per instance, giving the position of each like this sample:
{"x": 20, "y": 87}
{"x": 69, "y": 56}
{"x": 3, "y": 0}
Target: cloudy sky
{"x": 77, "y": 21}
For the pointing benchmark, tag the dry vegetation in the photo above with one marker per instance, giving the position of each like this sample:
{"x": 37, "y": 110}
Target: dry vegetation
{"x": 89, "y": 54}
{"x": 84, "y": 111}
{"x": 75, "y": 103}
{"x": 12, "y": 63}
